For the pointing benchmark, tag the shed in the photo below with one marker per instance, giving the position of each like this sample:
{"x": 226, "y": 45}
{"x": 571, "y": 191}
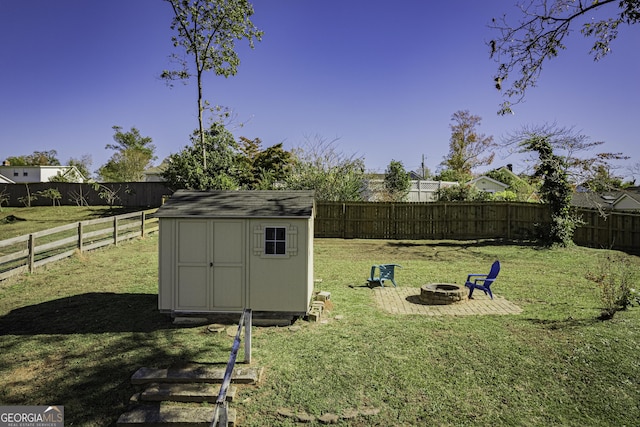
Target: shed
{"x": 224, "y": 251}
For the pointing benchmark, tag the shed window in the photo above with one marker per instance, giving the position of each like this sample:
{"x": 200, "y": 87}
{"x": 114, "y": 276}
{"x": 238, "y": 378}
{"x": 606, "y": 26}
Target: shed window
{"x": 275, "y": 240}
{"x": 25, "y": 173}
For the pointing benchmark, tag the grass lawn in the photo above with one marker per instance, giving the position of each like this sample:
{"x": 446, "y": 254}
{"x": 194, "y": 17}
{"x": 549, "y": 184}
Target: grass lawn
{"x": 73, "y": 333}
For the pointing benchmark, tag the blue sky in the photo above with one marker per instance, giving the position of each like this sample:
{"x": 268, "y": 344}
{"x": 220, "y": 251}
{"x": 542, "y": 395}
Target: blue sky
{"x": 383, "y": 77}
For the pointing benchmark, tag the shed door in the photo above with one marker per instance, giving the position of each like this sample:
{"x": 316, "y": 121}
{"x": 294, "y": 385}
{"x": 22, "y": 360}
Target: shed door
{"x": 210, "y": 265}
{"x": 228, "y": 265}
{"x": 192, "y": 270}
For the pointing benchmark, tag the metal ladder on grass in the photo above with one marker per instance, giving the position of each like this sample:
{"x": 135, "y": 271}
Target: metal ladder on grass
{"x": 221, "y": 412}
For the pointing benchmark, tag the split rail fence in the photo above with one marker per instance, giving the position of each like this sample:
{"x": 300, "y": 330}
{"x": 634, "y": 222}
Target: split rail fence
{"x": 26, "y": 253}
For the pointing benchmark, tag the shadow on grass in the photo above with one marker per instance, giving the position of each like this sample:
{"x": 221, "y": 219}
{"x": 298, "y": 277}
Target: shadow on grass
{"x": 87, "y": 313}
{"x": 567, "y": 323}
{"x": 465, "y": 244}
{"x": 85, "y": 349}
{"x": 116, "y": 210}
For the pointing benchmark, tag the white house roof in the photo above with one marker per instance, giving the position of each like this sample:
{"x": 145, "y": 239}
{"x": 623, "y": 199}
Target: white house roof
{"x": 238, "y": 204}
{"x": 5, "y": 180}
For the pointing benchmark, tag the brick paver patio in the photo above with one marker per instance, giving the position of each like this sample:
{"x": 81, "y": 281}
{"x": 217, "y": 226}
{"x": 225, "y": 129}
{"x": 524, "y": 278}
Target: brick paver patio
{"x": 406, "y": 301}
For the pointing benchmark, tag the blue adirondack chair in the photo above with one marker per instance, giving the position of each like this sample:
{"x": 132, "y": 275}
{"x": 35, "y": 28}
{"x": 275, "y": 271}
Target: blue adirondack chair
{"x": 483, "y": 281}
{"x": 386, "y": 273}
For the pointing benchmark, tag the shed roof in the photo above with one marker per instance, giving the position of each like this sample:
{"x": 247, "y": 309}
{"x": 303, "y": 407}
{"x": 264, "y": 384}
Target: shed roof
{"x": 238, "y": 204}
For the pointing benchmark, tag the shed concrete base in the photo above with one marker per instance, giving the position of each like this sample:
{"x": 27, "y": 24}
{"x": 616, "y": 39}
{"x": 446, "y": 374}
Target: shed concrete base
{"x": 259, "y": 318}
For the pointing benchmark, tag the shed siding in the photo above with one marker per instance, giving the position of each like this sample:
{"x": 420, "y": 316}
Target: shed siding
{"x": 166, "y": 264}
{"x": 281, "y": 283}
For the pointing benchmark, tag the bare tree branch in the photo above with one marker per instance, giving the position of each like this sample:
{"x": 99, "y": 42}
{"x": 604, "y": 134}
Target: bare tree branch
{"x": 522, "y": 48}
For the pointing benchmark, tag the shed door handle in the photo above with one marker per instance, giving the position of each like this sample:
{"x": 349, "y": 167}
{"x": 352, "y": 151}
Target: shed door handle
{"x": 210, "y": 264}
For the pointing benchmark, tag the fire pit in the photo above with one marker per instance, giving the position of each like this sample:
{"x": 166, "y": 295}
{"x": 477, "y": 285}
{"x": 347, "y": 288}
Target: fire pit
{"x": 442, "y": 293}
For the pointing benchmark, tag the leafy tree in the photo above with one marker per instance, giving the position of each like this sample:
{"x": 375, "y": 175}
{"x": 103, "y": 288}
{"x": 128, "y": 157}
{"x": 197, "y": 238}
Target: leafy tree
{"x": 262, "y": 169}
{"x": 506, "y": 196}
{"x": 17, "y": 161}
{"x": 134, "y": 153}
{"x": 4, "y": 197}
{"x": 185, "y": 169}
{"x": 519, "y": 188}
{"x": 83, "y": 165}
{"x": 37, "y": 158}
{"x": 396, "y": 181}
{"x": 468, "y": 149}
{"x": 521, "y": 48}
{"x": 249, "y": 149}
{"x": 319, "y": 166}
{"x": 207, "y": 31}
{"x": 603, "y": 180}
{"x": 555, "y": 188}
{"x": 452, "y": 176}
{"x": 26, "y": 200}
{"x": 272, "y": 166}
{"x": 109, "y": 193}
{"x": 461, "y": 193}
{"x": 52, "y": 194}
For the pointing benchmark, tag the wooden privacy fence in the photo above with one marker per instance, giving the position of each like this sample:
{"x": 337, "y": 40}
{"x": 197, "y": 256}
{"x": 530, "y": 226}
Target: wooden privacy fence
{"x": 615, "y": 230}
{"x": 25, "y": 253}
{"x": 469, "y": 220}
{"x": 128, "y": 194}
{"x": 461, "y": 220}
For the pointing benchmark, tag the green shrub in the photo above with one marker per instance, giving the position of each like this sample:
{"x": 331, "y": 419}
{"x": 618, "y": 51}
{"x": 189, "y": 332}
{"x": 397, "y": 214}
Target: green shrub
{"x": 615, "y": 275}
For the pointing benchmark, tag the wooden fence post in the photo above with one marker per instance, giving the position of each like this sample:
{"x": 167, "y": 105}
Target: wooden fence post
{"x": 115, "y": 230}
{"x": 394, "y": 223}
{"x": 344, "y": 220}
{"x": 32, "y": 252}
{"x": 508, "y": 221}
{"x": 80, "y": 236}
{"x": 610, "y": 227}
{"x": 142, "y": 224}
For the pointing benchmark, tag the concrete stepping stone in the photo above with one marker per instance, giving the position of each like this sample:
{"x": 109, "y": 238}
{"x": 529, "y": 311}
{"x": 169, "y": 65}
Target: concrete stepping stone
{"x": 194, "y": 374}
{"x": 185, "y": 393}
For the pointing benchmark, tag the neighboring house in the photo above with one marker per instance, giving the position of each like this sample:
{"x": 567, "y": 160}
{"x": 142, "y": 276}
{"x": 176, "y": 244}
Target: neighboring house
{"x": 426, "y": 191}
{"x": 488, "y": 185}
{"x": 5, "y": 180}
{"x": 154, "y": 174}
{"x": 620, "y": 200}
{"x": 419, "y": 190}
{"x": 517, "y": 185}
{"x": 33, "y": 174}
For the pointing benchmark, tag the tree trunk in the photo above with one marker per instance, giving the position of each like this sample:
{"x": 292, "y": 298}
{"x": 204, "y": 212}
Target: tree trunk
{"x": 200, "y": 118}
